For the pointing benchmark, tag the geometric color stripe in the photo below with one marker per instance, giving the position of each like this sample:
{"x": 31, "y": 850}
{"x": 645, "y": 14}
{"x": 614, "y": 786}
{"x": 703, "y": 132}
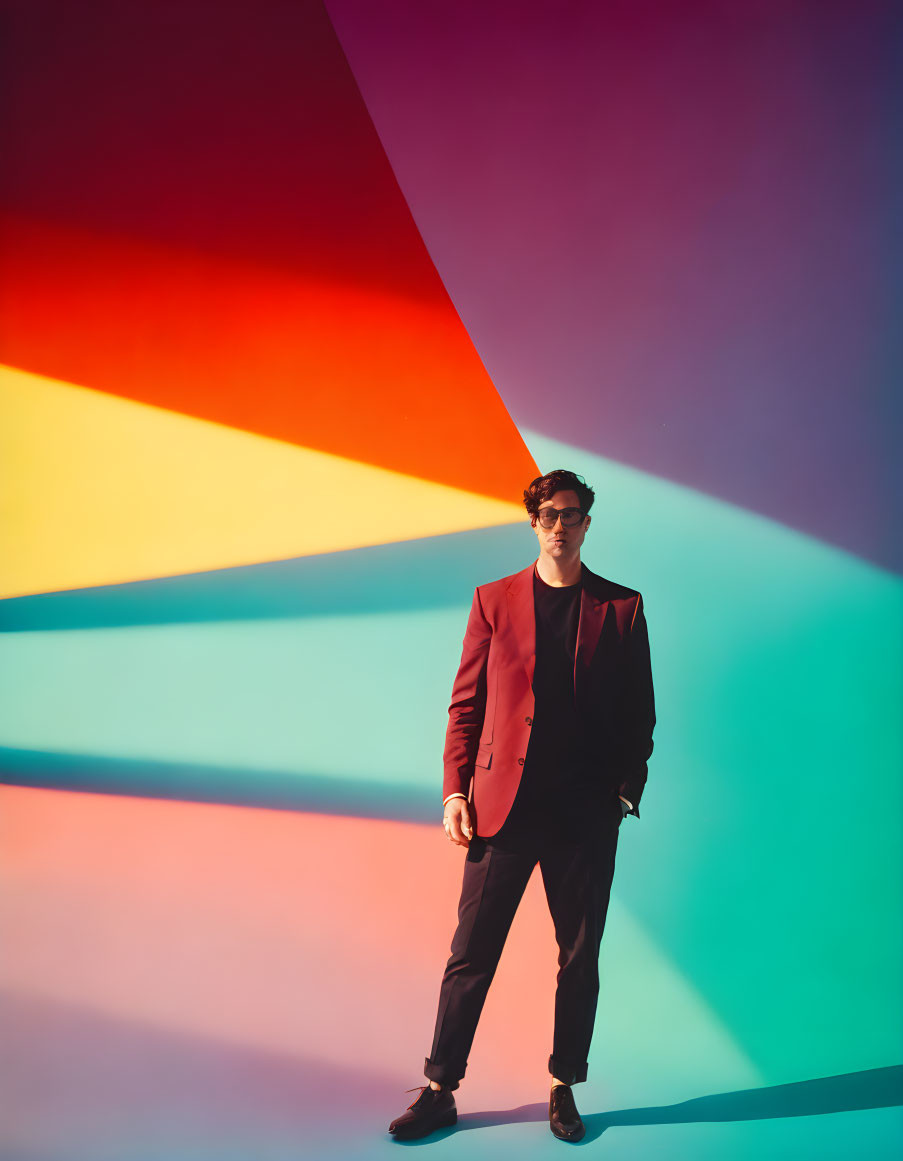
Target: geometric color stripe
{"x": 98, "y": 490}
{"x": 311, "y": 696}
{"x": 263, "y": 884}
{"x": 361, "y": 371}
{"x": 306, "y": 586}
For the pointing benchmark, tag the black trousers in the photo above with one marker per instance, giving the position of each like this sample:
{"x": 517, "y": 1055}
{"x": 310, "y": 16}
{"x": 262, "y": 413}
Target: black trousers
{"x": 576, "y": 856}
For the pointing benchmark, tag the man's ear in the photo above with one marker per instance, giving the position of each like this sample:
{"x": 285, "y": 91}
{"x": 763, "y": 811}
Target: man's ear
{"x": 587, "y": 524}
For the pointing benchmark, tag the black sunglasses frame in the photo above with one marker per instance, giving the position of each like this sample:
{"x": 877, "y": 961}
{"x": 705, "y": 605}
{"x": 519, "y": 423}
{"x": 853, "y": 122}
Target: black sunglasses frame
{"x": 559, "y": 512}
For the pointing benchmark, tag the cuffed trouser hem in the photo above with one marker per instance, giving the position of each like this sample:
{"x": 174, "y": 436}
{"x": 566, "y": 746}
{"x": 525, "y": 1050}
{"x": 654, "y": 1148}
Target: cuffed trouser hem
{"x": 569, "y": 1073}
{"x": 441, "y": 1074}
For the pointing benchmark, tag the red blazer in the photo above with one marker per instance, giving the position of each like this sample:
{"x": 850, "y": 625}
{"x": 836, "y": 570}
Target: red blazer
{"x": 491, "y": 710}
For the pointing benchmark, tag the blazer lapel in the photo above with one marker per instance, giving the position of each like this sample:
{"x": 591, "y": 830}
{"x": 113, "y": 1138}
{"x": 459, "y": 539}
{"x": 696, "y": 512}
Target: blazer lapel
{"x": 523, "y": 618}
{"x": 589, "y": 627}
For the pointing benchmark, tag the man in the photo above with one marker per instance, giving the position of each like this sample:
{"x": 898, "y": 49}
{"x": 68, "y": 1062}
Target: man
{"x": 550, "y": 728}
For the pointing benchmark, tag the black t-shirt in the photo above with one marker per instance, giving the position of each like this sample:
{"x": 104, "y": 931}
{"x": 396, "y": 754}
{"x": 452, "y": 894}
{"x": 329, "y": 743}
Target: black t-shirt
{"x": 557, "y": 612}
{"x": 555, "y": 769}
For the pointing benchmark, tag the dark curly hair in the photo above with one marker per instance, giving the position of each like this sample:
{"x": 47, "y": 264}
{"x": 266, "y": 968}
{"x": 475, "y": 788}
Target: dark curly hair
{"x": 561, "y": 480}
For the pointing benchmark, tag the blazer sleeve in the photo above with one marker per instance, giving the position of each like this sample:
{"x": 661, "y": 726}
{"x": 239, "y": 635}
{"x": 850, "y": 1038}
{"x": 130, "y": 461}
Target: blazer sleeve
{"x": 639, "y": 710}
{"x": 468, "y": 704}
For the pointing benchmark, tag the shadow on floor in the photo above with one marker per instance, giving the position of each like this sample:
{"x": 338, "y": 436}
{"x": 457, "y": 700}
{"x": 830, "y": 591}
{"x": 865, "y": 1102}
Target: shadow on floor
{"x": 875, "y": 1088}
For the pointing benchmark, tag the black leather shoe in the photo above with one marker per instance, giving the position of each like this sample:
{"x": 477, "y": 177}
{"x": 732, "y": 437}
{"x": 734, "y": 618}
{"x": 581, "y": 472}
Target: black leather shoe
{"x": 564, "y": 1120}
{"x": 432, "y": 1110}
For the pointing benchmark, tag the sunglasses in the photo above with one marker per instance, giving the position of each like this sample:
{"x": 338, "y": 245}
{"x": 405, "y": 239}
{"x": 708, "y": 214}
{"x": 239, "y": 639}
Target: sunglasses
{"x": 570, "y": 517}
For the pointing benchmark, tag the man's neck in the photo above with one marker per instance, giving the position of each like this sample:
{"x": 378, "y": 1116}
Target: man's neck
{"x": 559, "y": 573}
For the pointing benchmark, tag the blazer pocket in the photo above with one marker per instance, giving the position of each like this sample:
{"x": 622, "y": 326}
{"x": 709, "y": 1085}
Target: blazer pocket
{"x": 484, "y": 757}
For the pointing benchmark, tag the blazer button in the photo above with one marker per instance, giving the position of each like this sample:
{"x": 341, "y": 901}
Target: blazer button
{"x": 520, "y": 761}
{"x": 529, "y": 721}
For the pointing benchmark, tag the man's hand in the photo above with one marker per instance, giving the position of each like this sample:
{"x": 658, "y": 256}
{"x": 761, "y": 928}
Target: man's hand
{"x": 457, "y": 822}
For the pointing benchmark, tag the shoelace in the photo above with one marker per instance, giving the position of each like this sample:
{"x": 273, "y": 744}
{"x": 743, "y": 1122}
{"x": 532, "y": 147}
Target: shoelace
{"x": 421, "y": 1087}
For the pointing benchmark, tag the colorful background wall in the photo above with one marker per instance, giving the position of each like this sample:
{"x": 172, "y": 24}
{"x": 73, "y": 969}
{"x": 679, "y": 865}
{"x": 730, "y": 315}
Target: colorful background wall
{"x": 295, "y": 301}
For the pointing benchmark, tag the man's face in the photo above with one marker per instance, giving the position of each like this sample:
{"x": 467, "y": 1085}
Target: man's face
{"x": 558, "y": 542}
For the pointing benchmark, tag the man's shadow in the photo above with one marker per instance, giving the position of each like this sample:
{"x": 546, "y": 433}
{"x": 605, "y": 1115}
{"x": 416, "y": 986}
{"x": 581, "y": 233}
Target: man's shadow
{"x": 875, "y": 1088}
